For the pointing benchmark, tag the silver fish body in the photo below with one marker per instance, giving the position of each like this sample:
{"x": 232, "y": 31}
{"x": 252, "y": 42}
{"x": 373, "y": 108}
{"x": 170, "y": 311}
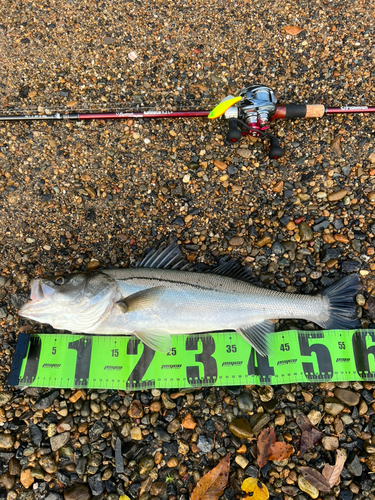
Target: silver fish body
{"x": 153, "y": 303}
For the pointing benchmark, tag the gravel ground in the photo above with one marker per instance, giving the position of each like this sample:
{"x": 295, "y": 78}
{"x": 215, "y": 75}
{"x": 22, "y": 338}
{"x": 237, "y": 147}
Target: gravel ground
{"x": 77, "y": 196}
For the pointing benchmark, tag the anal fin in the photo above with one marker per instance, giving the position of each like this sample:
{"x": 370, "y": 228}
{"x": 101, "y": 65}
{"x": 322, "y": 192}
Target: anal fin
{"x": 157, "y": 340}
{"x": 258, "y": 336}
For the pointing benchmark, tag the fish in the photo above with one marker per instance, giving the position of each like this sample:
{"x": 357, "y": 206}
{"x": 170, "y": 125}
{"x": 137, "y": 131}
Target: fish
{"x": 163, "y": 296}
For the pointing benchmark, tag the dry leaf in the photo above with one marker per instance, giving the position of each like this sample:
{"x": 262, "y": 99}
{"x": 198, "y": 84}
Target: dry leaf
{"x": 293, "y": 30}
{"x": 310, "y": 435}
{"x": 212, "y": 484}
{"x": 315, "y": 478}
{"x": 257, "y": 489}
{"x": 332, "y": 472}
{"x": 269, "y": 449}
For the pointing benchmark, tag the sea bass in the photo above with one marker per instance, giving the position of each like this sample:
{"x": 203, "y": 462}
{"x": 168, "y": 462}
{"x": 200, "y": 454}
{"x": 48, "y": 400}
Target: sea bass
{"x": 161, "y": 297}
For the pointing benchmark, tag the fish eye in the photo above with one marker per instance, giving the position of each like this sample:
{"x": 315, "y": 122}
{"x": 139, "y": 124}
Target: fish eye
{"x": 60, "y": 280}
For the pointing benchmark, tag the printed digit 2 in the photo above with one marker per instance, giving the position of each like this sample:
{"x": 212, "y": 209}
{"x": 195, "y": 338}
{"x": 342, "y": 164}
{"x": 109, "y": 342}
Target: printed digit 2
{"x": 136, "y": 376}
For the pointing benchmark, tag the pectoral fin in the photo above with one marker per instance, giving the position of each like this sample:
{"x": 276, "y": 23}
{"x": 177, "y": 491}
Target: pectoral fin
{"x": 141, "y": 300}
{"x": 258, "y": 336}
{"x": 157, "y": 340}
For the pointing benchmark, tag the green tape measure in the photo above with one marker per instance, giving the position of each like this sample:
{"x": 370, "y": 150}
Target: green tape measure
{"x": 212, "y": 359}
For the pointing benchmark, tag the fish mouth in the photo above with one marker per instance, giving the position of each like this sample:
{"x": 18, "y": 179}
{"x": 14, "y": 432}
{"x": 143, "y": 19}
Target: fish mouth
{"x": 40, "y": 292}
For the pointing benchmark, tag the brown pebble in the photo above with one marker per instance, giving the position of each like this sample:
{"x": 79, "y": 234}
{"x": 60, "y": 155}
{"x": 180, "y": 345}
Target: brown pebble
{"x": 341, "y": 238}
{"x": 189, "y": 422}
{"x": 136, "y": 409}
{"x": 155, "y": 406}
{"x": 290, "y": 226}
{"x": 328, "y": 238}
{"x": 8, "y": 481}
{"x": 263, "y": 241}
{"x": 75, "y": 397}
{"x": 338, "y": 195}
{"x": 14, "y": 467}
{"x": 331, "y": 263}
{"x": 172, "y": 462}
{"x": 26, "y": 478}
{"x": 158, "y": 457}
{"x": 277, "y": 188}
{"x": 236, "y": 241}
{"x": 220, "y": 165}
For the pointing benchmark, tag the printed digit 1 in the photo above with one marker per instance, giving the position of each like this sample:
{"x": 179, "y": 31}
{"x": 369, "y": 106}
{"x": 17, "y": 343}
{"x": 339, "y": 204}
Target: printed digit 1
{"x": 83, "y": 347}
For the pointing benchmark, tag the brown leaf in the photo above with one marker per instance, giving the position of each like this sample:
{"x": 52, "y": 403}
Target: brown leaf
{"x": 269, "y": 449}
{"x": 212, "y": 485}
{"x": 310, "y": 435}
{"x": 332, "y": 472}
{"x": 264, "y": 444}
{"x": 315, "y": 478}
{"x": 293, "y": 30}
{"x": 281, "y": 451}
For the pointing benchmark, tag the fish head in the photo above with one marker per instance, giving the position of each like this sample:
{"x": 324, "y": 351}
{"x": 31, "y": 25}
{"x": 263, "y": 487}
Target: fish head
{"x": 74, "y": 302}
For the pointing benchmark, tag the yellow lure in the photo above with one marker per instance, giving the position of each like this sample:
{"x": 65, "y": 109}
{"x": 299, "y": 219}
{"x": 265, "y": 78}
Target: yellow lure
{"x": 223, "y": 106}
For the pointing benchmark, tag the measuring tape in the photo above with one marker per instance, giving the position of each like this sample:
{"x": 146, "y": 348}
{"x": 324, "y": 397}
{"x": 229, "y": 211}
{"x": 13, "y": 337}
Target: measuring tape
{"x": 212, "y": 359}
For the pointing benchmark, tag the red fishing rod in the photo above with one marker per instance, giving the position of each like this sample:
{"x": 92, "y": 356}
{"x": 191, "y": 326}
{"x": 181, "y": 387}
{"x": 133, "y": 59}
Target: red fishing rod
{"x": 250, "y": 113}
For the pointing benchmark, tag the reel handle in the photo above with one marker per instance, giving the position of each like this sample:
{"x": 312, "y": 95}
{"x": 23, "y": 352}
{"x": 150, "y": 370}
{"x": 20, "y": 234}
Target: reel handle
{"x": 275, "y": 151}
{"x": 234, "y": 134}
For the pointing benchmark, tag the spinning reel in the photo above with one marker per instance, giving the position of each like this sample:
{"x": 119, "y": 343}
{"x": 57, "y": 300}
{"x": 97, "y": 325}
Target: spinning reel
{"x": 250, "y": 114}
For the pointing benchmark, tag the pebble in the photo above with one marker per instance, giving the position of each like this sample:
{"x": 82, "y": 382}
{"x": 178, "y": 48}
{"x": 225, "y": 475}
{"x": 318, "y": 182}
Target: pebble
{"x": 241, "y": 461}
{"x": 6, "y": 441}
{"x": 333, "y": 407}
{"x": 136, "y": 433}
{"x": 167, "y": 401}
{"x": 337, "y": 195}
{"x": 307, "y": 487}
{"x": 77, "y": 492}
{"x": 240, "y": 427}
{"x": 189, "y": 422}
{"x": 26, "y": 478}
{"x": 330, "y": 443}
{"x": 245, "y": 402}
{"x": 48, "y": 464}
{"x": 236, "y": 241}
{"x": 135, "y": 410}
{"x": 350, "y": 398}
{"x": 59, "y": 440}
{"x": 305, "y": 232}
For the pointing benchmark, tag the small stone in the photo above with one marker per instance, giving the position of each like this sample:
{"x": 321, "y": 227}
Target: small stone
{"x": 37, "y": 472}
{"x": 167, "y": 401}
{"x": 354, "y": 466}
{"x": 46, "y": 400}
{"x": 362, "y": 410}
{"x": 155, "y": 406}
{"x": 14, "y": 467}
{"x": 77, "y": 492}
{"x": 26, "y": 478}
{"x": 136, "y": 409}
{"x": 5, "y": 397}
{"x": 161, "y": 434}
{"x": 290, "y": 226}
{"x": 236, "y": 241}
{"x": 8, "y": 481}
{"x": 189, "y": 422}
{"x": 330, "y": 443}
{"x": 263, "y": 241}
{"x": 245, "y": 402}
{"x": 266, "y": 393}
{"x": 307, "y": 487}
{"x": 307, "y": 396}
{"x": 75, "y": 397}
{"x": 348, "y": 397}
{"x": 244, "y": 153}
{"x": 158, "y": 488}
{"x": 371, "y": 158}
{"x": 241, "y": 461}
{"x": 204, "y": 443}
{"x": 314, "y": 416}
{"x": 258, "y": 421}
{"x": 48, "y": 464}
{"x": 371, "y": 196}
{"x": 305, "y": 232}
{"x": 6, "y": 441}
{"x": 136, "y": 433}
{"x": 220, "y": 165}
{"x": 174, "y": 426}
{"x": 240, "y": 427}
{"x": 280, "y": 419}
{"x": 277, "y": 188}
{"x": 96, "y": 484}
{"x": 338, "y": 195}
{"x": 59, "y": 440}
{"x": 333, "y": 407}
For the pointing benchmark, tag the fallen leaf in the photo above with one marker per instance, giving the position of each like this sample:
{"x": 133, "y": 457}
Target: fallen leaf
{"x": 211, "y": 486}
{"x": 257, "y": 489}
{"x": 269, "y": 449}
{"x": 315, "y": 478}
{"x": 332, "y": 472}
{"x": 335, "y": 146}
{"x": 310, "y": 435}
{"x": 293, "y": 30}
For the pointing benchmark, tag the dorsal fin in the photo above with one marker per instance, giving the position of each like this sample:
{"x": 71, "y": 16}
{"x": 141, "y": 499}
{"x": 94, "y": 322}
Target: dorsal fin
{"x": 169, "y": 257}
{"x": 233, "y": 269}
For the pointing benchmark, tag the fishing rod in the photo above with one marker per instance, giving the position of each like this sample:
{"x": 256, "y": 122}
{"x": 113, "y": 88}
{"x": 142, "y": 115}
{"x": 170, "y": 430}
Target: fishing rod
{"x": 250, "y": 113}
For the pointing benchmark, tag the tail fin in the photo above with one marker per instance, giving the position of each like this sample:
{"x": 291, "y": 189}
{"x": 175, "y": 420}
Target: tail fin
{"x": 342, "y": 305}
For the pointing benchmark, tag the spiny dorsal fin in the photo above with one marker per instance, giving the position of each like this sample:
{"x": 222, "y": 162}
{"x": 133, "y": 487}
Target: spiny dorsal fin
{"x": 169, "y": 257}
{"x": 233, "y": 269}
